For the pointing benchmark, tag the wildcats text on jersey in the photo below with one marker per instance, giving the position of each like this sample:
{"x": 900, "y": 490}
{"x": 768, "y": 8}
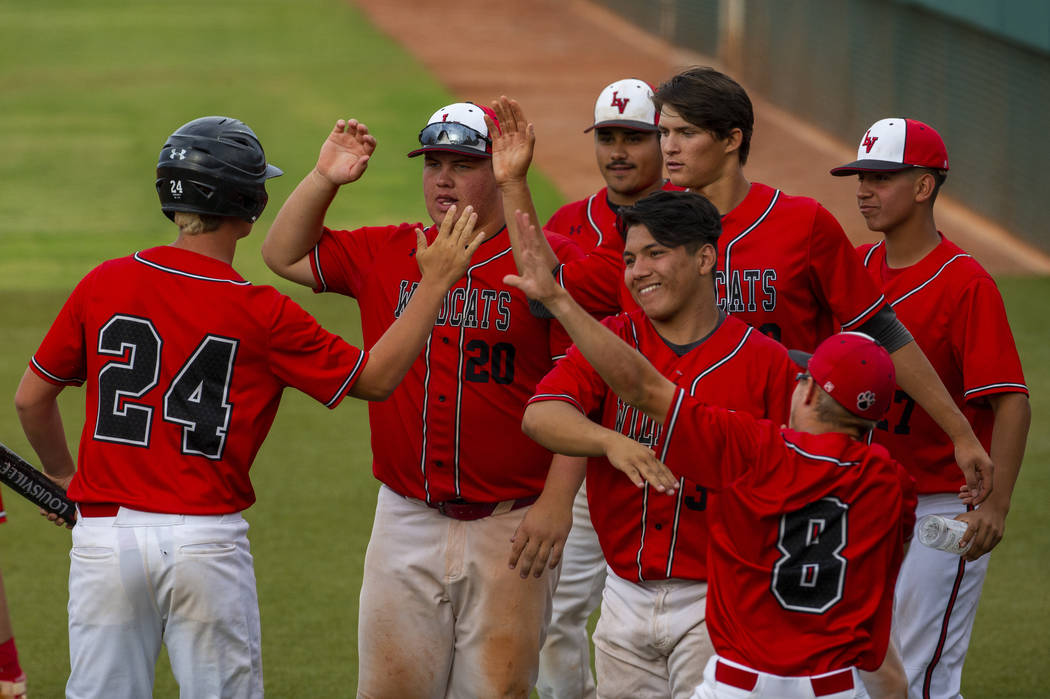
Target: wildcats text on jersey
{"x": 466, "y": 307}
{"x": 636, "y": 424}
{"x": 746, "y": 290}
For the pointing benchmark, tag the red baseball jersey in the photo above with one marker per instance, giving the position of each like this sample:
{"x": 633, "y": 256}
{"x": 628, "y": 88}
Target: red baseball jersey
{"x": 955, "y": 313}
{"x": 185, "y": 363}
{"x": 786, "y": 267}
{"x": 646, "y": 535}
{"x": 452, "y": 428}
{"x": 807, "y": 536}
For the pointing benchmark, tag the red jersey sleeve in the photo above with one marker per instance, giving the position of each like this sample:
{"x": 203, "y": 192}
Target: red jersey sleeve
{"x": 305, "y": 355}
{"x": 710, "y": 446}
{"x": 575, "y": 381}
{"x": 594, "y": 281}
{"x": 566, "y": 251}
{"x": 342, "y": 260}
{"x": 838, "y": 275}
{"x": 983, "y": 343}
{"x": 60, "y": 359}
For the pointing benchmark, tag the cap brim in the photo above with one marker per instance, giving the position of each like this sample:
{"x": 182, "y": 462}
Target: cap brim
{"x": 463, "y": 150}
{"x": 801, "y": 358}
{"x": 273, "y": 171}
{"x": 869, "y": 166}
{"x": 632, "y": 125}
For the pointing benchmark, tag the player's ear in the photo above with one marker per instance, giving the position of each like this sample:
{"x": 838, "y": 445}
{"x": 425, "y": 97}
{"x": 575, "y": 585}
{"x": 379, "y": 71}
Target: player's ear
{"x": 706, "y": 259}
{"x": 925, "y": 185}
{"x": 733, "y": 141}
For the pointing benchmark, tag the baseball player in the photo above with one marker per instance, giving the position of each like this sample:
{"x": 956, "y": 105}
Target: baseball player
{"x": 958, "y": 318}
{"x": 651, "y": 640}
{"x": 627, "y": 148}
{"x": 799, "y": 505}
{"x": 441, "y": 612}
{"x": 184, "y": 363}
{"x": 785, "y": 264}
{"x": 12, "y": 678}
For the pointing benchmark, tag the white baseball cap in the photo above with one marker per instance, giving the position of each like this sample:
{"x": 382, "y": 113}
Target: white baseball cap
{"x": 895, "y": 144}
{"x": 458, "y": 128}
{"x": 628, "y": 104}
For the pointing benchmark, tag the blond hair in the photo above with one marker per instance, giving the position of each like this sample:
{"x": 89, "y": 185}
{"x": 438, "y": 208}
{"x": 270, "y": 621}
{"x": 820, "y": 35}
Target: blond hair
{"x": 195, "y": 224}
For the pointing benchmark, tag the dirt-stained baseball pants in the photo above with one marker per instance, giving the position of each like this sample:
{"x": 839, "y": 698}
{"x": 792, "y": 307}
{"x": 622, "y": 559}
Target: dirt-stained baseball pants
{"x": 651, "y": 640}
{"x": 442, "y": 614}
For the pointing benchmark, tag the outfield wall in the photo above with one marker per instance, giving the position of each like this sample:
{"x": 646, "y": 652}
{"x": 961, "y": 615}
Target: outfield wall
{"x": 981, "y": 76}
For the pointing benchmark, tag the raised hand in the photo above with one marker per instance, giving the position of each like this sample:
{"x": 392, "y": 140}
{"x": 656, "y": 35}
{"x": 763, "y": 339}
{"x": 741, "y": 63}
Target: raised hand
{"x": 446, "y": 258}
{"x": 513, "y": 141}
{"x": 345, "y": 153}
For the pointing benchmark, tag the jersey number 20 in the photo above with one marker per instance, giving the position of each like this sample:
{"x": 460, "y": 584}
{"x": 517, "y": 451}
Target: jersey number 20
{"x": 197, "y": 398}
{"x": 810, "y": 574}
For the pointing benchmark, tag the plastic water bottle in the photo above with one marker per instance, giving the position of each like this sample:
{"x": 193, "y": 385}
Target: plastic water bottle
{"x": 943, "y": 533}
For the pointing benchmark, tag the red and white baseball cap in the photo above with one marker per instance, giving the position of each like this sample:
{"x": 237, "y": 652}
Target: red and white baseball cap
{"x": 855, "y": 370}
{"x": 628, "y": 104}
{"x": 895, "y": 144}
{"x": 458, "y": 128}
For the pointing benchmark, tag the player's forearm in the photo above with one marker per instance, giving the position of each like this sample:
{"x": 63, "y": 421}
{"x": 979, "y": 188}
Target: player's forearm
{"x": 36, "y": 402}
{"x": 390, "y": 358}
{"x": 1013, "y": 416}
{"x": 917, "y": 377}
{"x": 517, "y": 197}
{"x": 563, "y": 429}
{"x": 627, "y": 373}
{"x": 297, "y": 228}
{"x": 564, "y": 479}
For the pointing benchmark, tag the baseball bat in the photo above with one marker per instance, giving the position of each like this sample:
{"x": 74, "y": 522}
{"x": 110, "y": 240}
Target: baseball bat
{"x": 34, "y": 486}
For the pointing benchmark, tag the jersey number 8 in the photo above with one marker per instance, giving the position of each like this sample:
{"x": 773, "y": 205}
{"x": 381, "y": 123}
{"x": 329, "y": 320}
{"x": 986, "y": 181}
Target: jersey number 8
{"x": 810, "y": 574}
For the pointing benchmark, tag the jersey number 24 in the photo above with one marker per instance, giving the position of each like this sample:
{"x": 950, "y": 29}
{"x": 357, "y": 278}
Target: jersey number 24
{"x": 197, "y": 398}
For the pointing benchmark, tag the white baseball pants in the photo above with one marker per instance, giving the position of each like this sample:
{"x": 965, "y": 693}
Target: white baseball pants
{"x": 651, "y": 640}
{"x": 140, "y": 579}
{"x": 770, "y": 686}
{"x": 442, "y": 613}
{"x": 565, "y": 660}
{"x": 934, "y": 608}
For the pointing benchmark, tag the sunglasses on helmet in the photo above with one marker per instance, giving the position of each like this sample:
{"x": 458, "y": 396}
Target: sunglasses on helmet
{"x": 450, "y": 133}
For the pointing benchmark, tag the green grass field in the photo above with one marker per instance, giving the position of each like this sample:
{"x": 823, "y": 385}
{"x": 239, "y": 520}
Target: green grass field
{"x": 89, "y": 92}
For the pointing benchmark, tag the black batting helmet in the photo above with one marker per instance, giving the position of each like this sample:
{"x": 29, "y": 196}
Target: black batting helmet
{"x": 214, "y": 165}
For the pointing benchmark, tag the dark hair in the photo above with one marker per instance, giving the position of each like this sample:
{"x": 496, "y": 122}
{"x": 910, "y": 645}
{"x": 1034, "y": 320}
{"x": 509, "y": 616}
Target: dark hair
{"x": 711, "y": 100}
{"x": 939, "y": 176}
{"x": 674, "y": 219}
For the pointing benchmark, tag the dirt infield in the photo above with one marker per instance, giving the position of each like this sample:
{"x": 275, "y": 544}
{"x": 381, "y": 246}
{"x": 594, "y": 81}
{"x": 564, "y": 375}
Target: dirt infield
{"x": 554, "y": 56}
